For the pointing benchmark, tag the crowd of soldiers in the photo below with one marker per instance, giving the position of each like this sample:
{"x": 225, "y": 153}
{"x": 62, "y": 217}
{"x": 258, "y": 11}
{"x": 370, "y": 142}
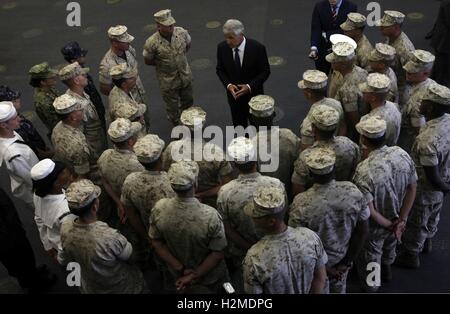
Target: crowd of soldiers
{"x": 344, "y": 195}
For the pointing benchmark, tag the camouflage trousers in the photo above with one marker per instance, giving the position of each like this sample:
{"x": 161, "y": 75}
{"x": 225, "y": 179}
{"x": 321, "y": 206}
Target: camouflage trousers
{"x": 177, "y": 97}
{"x": 380, "y": 248}
{"x": 338, "y": 286}
{"x": 423, "y": 220}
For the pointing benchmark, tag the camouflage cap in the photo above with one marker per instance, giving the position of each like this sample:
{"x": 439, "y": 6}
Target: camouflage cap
{"x": 306, "y": 132}
{"x": 391, "y": 18}
{"x": 122, "y": 129}
{"x": 42, "y": 71}
{"x": 372, "y": 127}
{"x": 320, "y": 160}
{"x": 130, "y": 110}
{"x": 183, "y": 174}
{"x": 66, "y": 103}
{"x": 241, "y": 150}
{"x": 354, "y": 21}
{"x": 7, "y": 111}
{"x": 164, "y": 17}
{"x": 81, "y": 193}
{"x": 313, "y": 79}
{"x": 120, "y": 33}
{"x": 148, "y": 148}
{"x": 122, "y": 71}
{"x": 325, "y": 118}
{"x": 262, "y": 106}
{"x": 438, "y": 94}
{"x": 267, "y": 200}
{"x": 420, "y": 60}
{"x": 382, "y": 52}
{"x": 342, "y": 52}
{"x": 193, "y": 117}
{"x": 42, "y": 169}
{"x": 72, "y": 70}
{"x": 376, "y": 83}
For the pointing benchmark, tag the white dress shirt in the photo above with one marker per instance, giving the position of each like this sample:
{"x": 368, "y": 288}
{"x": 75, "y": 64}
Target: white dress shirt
{"x": 241, "y": 50}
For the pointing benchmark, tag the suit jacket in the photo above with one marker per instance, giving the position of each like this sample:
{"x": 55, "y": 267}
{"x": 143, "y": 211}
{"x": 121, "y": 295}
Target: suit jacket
{"x": 441, "y": 33}
{"x": 255, "y": 67}
{"x": 322, "y": 22}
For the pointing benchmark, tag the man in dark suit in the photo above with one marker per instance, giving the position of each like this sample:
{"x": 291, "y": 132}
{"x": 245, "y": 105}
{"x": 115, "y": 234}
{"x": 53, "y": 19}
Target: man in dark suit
{"x": 440, "y": 41}
{"x": 243, "y": 67}
{"x": 327, "y": 17}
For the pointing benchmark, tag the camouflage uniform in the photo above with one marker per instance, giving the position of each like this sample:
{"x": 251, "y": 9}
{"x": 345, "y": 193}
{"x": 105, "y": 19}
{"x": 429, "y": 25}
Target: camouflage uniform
{"x": 332, "y": 211}
{"x": 362, "y": 52}
{"x": 411, "y": 117}
{"x": 210, "y": 171}
{"x": 347, "y": 157}
{"x": 141, "y": 191}
{"x": 393, "y": 88}
{"x": 43, "y": 104}
{"x": 383, "y": 178}
{"x": 348, "y": 94}
{"x": 172, "y": 70}
{"x": 92, "y": 125}
{"x": 389, "y": 113}
{"x": 100, "y": 250}
{"x": 431, "y": 148}
{"x": 403, "y": 47}
{"x": 287, "y": 152}
{"x": 72, "y": 148}
{"x": 191, "y": 230}
{"x": 283, "y": 263}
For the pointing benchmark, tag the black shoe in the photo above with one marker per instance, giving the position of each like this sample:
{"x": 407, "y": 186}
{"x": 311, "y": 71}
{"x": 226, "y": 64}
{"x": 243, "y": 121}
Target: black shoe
{"x": 427, "y": 246}
{"x": 407, "y": 260}
{"x": 42, "y": 283}
{"x": 386, "y": 273}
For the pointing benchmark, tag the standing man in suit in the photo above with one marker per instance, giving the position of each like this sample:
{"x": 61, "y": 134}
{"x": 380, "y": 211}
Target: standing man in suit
{"x": 440, "y": 41}
{"x": 327, "y": 17}
{"x": 243, "y": 67}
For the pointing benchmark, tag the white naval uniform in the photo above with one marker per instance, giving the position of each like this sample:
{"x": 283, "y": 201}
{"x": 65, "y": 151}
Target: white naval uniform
{"x": 19, "y": 159}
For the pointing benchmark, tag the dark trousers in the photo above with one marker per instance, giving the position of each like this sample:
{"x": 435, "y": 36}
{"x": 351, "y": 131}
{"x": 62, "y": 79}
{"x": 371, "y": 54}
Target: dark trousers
{"x": 18, "y": 258}
{"x": 441, "y": 69}
{"x": 240, "y": 110}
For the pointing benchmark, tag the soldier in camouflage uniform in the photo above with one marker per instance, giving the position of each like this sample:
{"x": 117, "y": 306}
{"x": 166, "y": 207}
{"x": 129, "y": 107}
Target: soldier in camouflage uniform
{"x": 124, "y": 79}
{"x": 90, "y": 242}
{"x": 380, "y": 61}
{"x": 74, "y": 76}
{"x": 214, "y": 169}
{"x": 189, "y": 236}
{"x": 418, "y": 71}
{"x": 72, "y": 52}
{"x": 71, "y": 146}
{"x": 391, "y": 27}
{"x": 278, "y": 148}
{"x": 353, "y": 27}
{"x": 375, "y": 92}
{"x": 324, "y": 123}
{"x": 314, "y": 87}
{"x": 133, "y": 112}
{"x": 121, "y": 52}
{"x": 285, "y": 260}
{"x": 387, "y": 178}
{"x": 115, "y": 165}
{"x": 166, "y": 50}
{"x": 43, "y": 79}
{"x": 342, "y": 60}
{"x": 231, "y": 200}
{"x": 336, "y": 211}
{"x": 431, "y": 151}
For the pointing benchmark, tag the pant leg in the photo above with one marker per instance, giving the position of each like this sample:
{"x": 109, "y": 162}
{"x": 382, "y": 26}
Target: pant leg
{"x": 372, "y": 251}
{"x": 339, "y": 286}
{"x": 426, "y": 204}
{"x": 186, "y": 96}
{"x": 433, "y": 220}
{"x": 240, "y": 111}
{"x": 172, "y": 100}
{"x": 389, "y": 246}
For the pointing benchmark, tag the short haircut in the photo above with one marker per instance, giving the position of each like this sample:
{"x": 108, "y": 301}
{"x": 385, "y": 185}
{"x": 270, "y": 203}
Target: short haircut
{"x": 36, "y": 82}
{"x": 233, "y": 26}
{"x": 83, "y": 211}
{"x": 247, "y": 167}
{"x": 321, "y": 92}
{"x": 376, "y": 142}
{"x": 325, "y": 134}
{"x": 118, "y": 82}
{"x": 322, "y": 178}
{"x": 151, "y": 165}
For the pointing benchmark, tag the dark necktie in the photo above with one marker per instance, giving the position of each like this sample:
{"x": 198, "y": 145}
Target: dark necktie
{"x": 334, "y": 13}
{"x": 237, "y": 60}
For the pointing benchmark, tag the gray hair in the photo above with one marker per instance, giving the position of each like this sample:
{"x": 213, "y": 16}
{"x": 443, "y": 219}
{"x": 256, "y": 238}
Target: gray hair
{"x": 233, "y": 26}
